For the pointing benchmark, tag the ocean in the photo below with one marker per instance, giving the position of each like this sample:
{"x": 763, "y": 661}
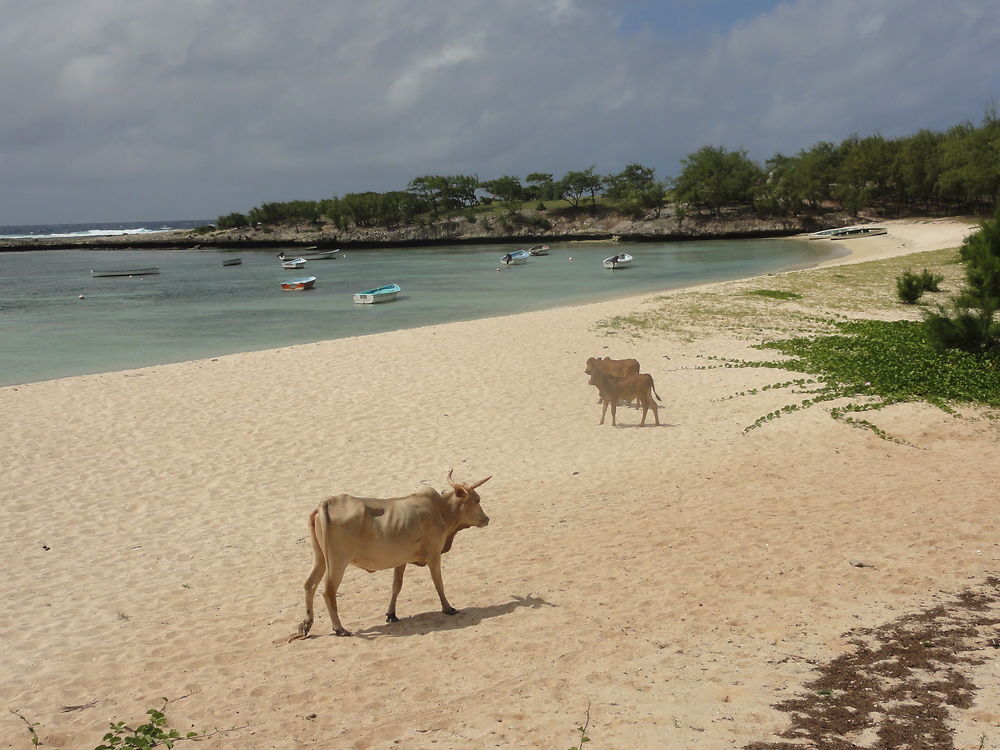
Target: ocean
{"x": 101, "y": 229}
{"x": 58, "y": 321}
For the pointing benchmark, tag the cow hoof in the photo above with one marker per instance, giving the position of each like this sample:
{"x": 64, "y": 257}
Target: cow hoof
{"x": 391, "y": 617}
{"x": 450, "y": 611}
{"x": 341, "y": 633}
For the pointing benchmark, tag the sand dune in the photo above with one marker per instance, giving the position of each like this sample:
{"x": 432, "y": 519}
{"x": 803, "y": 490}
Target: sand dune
{"x": 678, "y": 580}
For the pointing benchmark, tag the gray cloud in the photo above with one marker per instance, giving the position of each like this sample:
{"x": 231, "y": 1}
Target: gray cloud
{"x": 147, "y": 110}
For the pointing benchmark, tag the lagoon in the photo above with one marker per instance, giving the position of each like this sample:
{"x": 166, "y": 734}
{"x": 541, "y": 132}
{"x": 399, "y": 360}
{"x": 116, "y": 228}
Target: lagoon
{"x": 196, "y": 308}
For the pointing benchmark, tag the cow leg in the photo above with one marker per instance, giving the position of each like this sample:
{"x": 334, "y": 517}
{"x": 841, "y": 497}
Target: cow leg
{"x": 434, "y": 565}
{"x": 397, "y": 585}
{"x": 656, "y": 412}
{"x": 614, "y": 412}
{"x": 319, "y": 568}
{"x": 604, "y": 411}
{"x": 334, "y": 575}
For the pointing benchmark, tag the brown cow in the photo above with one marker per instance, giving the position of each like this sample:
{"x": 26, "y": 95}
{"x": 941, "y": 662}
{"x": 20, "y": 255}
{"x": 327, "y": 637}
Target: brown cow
{"x": 620, "y": 368}
{"x": 640, "y": 387}
{"x": 375, "y": 534}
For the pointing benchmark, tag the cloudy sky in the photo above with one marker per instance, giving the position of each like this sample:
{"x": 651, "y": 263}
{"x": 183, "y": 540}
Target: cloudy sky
{"x": 137, "y": 110}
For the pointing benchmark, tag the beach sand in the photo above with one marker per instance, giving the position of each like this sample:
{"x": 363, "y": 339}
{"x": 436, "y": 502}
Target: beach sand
{"x": 671, "y": 584}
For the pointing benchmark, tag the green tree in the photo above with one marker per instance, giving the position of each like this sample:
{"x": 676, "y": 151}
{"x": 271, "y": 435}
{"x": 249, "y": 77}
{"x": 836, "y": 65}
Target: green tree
{"x": 713, "y": 177}
{"x": 505, "y": 188}
{"x": 575, "y": 185}
{"x": 635, "y": 189}
{"x": 541, "y": 187}
{"x": 970, "y": 322}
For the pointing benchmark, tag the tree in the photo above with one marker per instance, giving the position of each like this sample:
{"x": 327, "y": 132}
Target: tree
{"x": 541, "y": 186}
{"x": 970, "y": 324}
{"x": 635, "y": 189}
{"x": 574, "y": 185}
{"x": 505, "y": 188}
{"x": 714, "y": 177}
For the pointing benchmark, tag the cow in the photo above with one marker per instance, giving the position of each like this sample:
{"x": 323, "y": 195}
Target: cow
{"x": 375, "y": 534}
{"x": 640, "y": 387}
{"x": 620, "y": 368}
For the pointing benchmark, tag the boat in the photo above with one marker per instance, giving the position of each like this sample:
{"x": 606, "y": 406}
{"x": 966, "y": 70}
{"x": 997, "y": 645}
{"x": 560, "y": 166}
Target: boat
{"x": 231, "y": 261}
{"x": 311, "y": 253}
{"x": 299, "y": 285}
{"x": 515, "y": 258}
{"x": 385, "y": 293}
{"x": 294, "y": 263}
{"x": 124, "y": 271}
{"x": 319, "y": 254}
{"x": 621, "y": 260}
{"x": 538, "y": 250}
{"x": 843, "y": 233}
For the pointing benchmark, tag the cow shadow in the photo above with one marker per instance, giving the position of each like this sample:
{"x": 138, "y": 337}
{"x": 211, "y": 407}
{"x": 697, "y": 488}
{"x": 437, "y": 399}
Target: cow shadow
{"x": 427, "y": 622}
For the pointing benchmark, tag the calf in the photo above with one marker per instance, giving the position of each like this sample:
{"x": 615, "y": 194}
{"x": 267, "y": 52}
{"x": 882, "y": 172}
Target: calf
{"x": 640, "y": 387}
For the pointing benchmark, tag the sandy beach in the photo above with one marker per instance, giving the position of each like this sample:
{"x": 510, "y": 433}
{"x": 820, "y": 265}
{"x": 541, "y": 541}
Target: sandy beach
{"x": 669, "y": 584}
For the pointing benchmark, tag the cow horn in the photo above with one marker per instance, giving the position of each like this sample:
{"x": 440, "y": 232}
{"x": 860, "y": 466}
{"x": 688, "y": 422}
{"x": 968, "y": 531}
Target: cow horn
{"x": 481, "y": 481}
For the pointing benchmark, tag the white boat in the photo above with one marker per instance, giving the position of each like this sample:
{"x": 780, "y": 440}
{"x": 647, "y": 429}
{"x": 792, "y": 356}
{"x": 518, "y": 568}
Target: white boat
{"x": 232, "y": 261}
{"x": 843, "y": 233}
{"x": 515, "y": 258}
{"x": 385, "y": 293}
{"x": 311, "y": 253}
{"x": 538, "y": 250}
{"x": 124, "y": 271}
{"x": 294, "y": 263}
{"x": 621, "y": 260}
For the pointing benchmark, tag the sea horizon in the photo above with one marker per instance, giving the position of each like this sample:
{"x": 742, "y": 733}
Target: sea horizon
{"x": 95, "y": 228}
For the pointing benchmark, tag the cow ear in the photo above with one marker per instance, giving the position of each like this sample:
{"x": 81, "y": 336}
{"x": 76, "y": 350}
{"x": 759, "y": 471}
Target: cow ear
{"x": 460, "y": 491}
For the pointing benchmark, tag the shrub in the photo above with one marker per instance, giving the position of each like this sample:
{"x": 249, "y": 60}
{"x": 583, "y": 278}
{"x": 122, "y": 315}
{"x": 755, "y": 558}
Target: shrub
{"x": 909, "y": 287}
{"x": 931, "y": 282}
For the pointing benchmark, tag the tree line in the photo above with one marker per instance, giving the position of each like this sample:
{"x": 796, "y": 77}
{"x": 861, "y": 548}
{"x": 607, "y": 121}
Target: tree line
{"x": 950, "y": 172}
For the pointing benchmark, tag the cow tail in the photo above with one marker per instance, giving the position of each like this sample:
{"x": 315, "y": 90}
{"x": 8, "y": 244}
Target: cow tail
{"x": 653, "y": 386}
{"x": 319, "y": 521}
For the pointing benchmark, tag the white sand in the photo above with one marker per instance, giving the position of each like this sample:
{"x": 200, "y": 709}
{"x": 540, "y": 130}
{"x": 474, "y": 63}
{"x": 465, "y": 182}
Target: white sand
{"x": 676, "y": 579}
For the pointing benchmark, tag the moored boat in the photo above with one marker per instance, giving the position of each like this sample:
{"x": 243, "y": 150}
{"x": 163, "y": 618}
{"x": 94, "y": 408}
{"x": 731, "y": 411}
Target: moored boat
{"x": 621, "y": 260}
{"x": 124, "y": 271}
{"x": 385, "y": 293}
{"x": 294, "y": 263}
{"x": 298, "y": 285}
{"x": 312, "y": 253}
{"x": 843, "y": 233}
{"x": 231, "y": 261}
{"x": 515, "y": 258}
{"x": 538, "y": 250}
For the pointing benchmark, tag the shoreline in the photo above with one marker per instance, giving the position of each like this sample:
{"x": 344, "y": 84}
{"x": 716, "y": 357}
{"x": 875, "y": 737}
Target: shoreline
{"x": 671, "y": 583}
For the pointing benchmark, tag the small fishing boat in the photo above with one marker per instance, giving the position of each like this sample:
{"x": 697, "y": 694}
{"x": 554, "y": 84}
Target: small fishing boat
{"x": 311, "y": 253}
{"x": 299, "y": 285}
{"x": 231, "y": 261}
{"x": 621, "y": 260}
{"x": 843, "y": 233}
{"x": 124, "y": 271}
{"x": 538, "y": 250}
{"x": 385, "y": 293}
{"x": 515, "y": 258}
{"x": 294, "y": 263}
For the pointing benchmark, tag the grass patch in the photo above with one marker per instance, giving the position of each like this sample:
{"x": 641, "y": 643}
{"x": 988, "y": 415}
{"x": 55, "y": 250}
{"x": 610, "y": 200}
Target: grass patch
{"x": 775, "y": 294}
{"x": 883, "y": 363}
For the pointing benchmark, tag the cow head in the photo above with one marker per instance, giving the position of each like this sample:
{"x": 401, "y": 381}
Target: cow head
{"x": 593, "y": 365}
{"x": 467, "y": 502}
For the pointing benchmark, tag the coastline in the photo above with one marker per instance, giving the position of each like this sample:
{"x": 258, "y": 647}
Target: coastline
{"x": 671, "y": 583}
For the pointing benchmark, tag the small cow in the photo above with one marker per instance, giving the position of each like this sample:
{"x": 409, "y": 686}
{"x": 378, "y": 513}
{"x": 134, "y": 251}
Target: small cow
{"x": 375, "y": 534}
{"x": 640, "y": 387}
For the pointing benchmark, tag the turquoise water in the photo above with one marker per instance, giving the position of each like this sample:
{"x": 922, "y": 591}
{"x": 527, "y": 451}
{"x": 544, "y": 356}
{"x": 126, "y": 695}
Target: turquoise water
{"x": 197, "y": 308}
